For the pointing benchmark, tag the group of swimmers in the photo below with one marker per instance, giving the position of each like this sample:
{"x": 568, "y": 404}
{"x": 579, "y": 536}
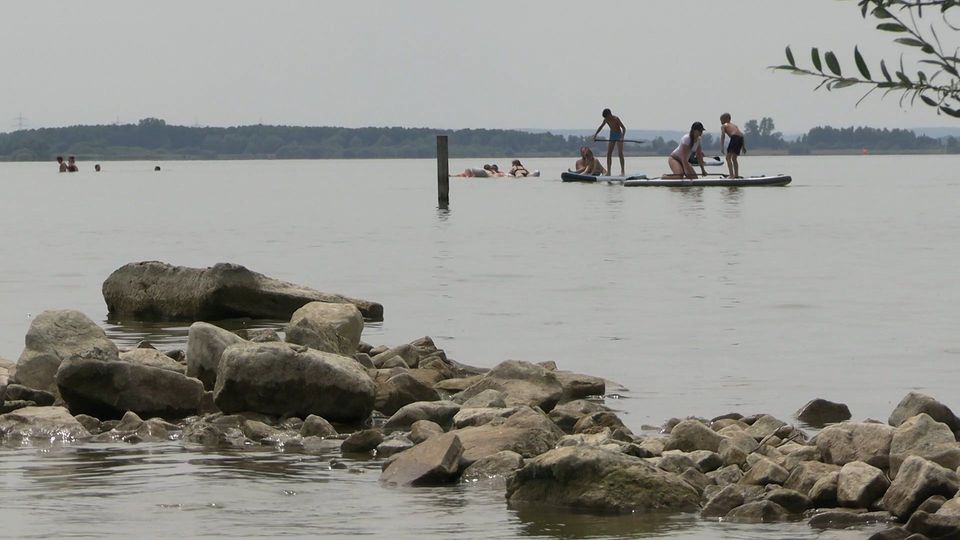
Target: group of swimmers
{"x": 70, "y": 165}
{"x": 517, "y": 170}
{"x": 680, "y": 161}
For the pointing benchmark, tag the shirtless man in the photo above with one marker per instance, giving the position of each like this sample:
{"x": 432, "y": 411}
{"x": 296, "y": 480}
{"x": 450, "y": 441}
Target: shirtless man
{"x": 736, "y": 146}
{"x": 588, "y": 163}
{"x": 617, "y": 133}
{"x": 63, "y": 164}
{"x": 72, "y": 164}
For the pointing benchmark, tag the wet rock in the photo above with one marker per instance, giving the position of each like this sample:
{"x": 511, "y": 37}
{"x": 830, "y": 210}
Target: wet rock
{"x": 362, "y": 442}
{"x": 317, "y": 426}
{"x": 806, "y": 474}
{"x": 422, "y": 430}
{"x": 763, "y": 471}
{"x": 523, "y": 383}
{"x": 492, "y": 467}
{"x": 479, "y": 416}
{"x": 837, "y": 519}
{"x": 205, "y": 346}
{"x": 486, "y": 399}
{"x": 567, "y": 414}
{"x": 893, "y": 533}
{"x": 766, "y": 426}
{"x": 735, "y": 446}
{"x": 527, "y": 432}
{"x": 933, "y": 504}
{"x": 793, "y": 501}
{"x": 89, "y": 423}
{"x": 653, "y": 445}
{"x": 823, "y": 493}
{"x": 258, "y": 431}
{"x": 923, "y": 436}
{"x": 934, "y": 525}
{"x": 130, "y": 421}
{"x": 434, "y": 461}
{"x": 55, "y": 336}
{"x": 47, "y": 424}
{"x": 333, "y": 328}
{"x": 595, "y": 422}
{"x": 153, "y": 358}
{"x": 154, "y": 290}
{"x": 439, "y": 412}
{"x": 762, "y": 511}
{"x": 917, "y": 480}
{"x": 110, "y": 389}
{"x": 598, "y": 480}
{"x": 18, "y": 392}
{"x": 949, "y": 507}
{"x": 820, "y": 412}
{"x": 690, "y": 435}
{"x": 407, "y": 355}
{"x": 843, "y": 443}
{"x": 579, "y": 386}
{"x": 723, "y": 501}
{"x": 859, "y": 485}
{"x": 394, "y": 444}
{"x": 915, "y": 403}
{"x": 292, "y": 380}
{"x": 400, "y": 390}
{"x": 10, "y": 406}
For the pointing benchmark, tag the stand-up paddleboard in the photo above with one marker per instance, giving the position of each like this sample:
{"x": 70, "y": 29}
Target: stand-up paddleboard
{"x": 762, "y": 180}
{"x": 570, "y": 176}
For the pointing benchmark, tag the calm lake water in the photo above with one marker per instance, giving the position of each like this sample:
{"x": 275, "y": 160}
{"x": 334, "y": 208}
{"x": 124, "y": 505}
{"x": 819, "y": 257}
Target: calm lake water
{"x": 694, "y": 301}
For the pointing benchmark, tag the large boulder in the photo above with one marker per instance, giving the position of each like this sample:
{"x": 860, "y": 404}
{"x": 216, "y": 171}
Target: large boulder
{"x": 55, "y": 336}
{"x": 434, "y": 461}
{"x": 579, "y": 386}
{"x": 596, "y": 479}
{"x": 153, "y": 290}
{"x": 280, "y": 379}
{"x": 859, "y": 485}
{"x": 333, "y": 328}
{"x": 523, "y": 383}
{"x": 527, "y": 432}
{"x": 41, "y": 424}
{"x": 153, "y": 358}
{"x": 803, "y": 477}
{"x": 820, "y": 412}
{"x": 400, "y": 390}
{"x": 915, "y": 403}
{"x": 917, "y": 480}
{"x": 205, "y": 346}
{"x": 567, "y": 414}
{"x": 109, "y": 389}
{"x": 846, "y": 442}
{"x": 690, "y": 435}
{"x": 923, "y": 436}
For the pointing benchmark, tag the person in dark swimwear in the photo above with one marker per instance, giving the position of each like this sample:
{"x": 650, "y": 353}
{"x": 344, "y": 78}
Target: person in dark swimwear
{"x": 518, "y": 169}
{"x": 72, "y": 164}
{"x": 737, "y": 144}
{"x": 63, "y": 164}
{"x": 617, "y": 132}
{"x": 679, "y": 159}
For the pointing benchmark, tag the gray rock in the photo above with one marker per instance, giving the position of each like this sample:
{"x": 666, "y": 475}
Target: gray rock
{"x": 837, "y": 519}
{"x": 766, "y": 426}
{"x": 364, "y": 360}
{"x": 422, "y": 430}
{"x": 110, "y": 389}
{"x": 579, "y": 386}
{"x": 806, "y": 474}
{"x": 859, "y": 485}
{"x": 793, "y": 501}
{"x": 820, "y": 412}
{"x": 407, "y": 354}
{"x": 690, "y": 435}
{"x": 259, "y": 335}
{"x": 527, "y": 432}
{"x": 934, "y": 525}
{"x": 479, "y": 416}
{"x": 91, "y": 424}
{"x": 486, "y": 399}
{"x": 46, "y": 424}
{"x": 915, "y": 403}
{"x": 762, "y": 511}
{"x": 10, "y": 406}
{"x": 598, "y": 480}
{"x": 153, "y": 358}
{"x": 291, "y": 380}
{"x": 205, "y": 346}
{"x": 457, "y": 384}
{"x": 696, "y": 479}
{"x": 893, "y": 533}
{"x": 393, "y": 444}
{"x": 317, "y": 426}
{"x": 706, "y": 460}
{"x": 804, "y": 453}
{"x": 723, "y": 501}
{"x": 598, "y": 421}
{"x": 764, "y": 471}
{"x": 735, "y": 446}
{"x": 523, "y": 383}
{"x": 950, "y": 507}
{"x": 917, "y": 480}
{"x": 923, "y": 436}
{"x": 434, "y": 461}
{"x": 362, "y": 441}
{"x": 933, "y": 504}
{"x": 439, "y": 412}
{"x": 731, "y": 474}
{"x": 55, "y": 336}
{"x": 823, "y": 493}
{"x": 843, "y": 443}
{"x": 400, "y": 390}
{"x": 18, "y": 392}
{"x": 333, "y": 328}
{"x": 154, "y": 290}
{"x": 674, "y": 461}
{"x": 493, "y": 467}
{"x": 567, "y": 414}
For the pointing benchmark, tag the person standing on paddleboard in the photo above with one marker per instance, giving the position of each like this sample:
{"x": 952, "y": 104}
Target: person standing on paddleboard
{"x": 617, "y": 132}
{"x": 737, "y": 144}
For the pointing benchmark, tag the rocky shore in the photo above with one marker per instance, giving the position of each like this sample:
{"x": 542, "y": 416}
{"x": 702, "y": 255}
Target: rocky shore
{"x": 539, "y": 433}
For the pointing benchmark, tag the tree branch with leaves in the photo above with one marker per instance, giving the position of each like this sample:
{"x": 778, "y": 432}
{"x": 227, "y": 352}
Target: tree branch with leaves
{"x": 939, "y": 88}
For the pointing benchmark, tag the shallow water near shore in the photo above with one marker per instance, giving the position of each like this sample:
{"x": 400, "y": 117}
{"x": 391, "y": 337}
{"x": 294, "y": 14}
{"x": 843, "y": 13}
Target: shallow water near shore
{"x": 694, "y": 301}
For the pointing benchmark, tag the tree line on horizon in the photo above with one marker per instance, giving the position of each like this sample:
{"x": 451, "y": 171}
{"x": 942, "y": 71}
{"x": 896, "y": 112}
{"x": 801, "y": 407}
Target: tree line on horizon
{"x": 153, "y": 138}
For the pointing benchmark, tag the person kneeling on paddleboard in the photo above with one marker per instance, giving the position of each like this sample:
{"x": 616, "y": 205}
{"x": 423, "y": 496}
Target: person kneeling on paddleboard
{"x": 588, "y": 163}
{"x": 689, "y": 145}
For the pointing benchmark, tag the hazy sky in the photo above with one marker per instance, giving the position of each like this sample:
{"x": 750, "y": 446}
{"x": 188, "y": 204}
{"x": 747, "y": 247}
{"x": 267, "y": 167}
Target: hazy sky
{"x": 659, "y": 64}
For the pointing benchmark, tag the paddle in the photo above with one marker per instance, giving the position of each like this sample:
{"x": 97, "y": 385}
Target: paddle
{"x": 624, "y": 140}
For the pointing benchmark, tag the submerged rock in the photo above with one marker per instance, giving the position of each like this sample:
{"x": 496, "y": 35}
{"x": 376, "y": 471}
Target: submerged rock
{"x": 522, "y": 383}
{"x": 153, "y": 290}
{"x": 42, "y": 424}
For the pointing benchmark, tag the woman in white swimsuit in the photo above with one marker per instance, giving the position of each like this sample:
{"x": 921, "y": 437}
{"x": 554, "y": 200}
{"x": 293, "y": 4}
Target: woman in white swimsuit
{"x": 689, "y": 144}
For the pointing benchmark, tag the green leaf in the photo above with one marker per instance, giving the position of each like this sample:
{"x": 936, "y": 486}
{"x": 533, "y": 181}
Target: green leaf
{"x": 882, "y": 13}
{"x": 790, "y": 57}
{"x": 912, "y": 42}
{"x": 891, "y": 27}
{"x": 832, "y": 63}
{"x": 929, "y": 101}
{"x": 861, "y": 65}
{"x": 883, "y": 68}
{"x": 904, "y": 79}
{"x": 952, "y": 112}
{"x": 843, "y": 83}
{"x": 815, "y": 57}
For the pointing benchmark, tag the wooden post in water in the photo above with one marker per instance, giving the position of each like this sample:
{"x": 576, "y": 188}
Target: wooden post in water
{"x": 443, "y": 172}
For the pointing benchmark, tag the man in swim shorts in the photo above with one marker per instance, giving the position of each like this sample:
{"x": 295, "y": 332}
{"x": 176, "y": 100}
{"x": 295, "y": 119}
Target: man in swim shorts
{"x": 617, "y": 133}
{"x": 736, "y": 146}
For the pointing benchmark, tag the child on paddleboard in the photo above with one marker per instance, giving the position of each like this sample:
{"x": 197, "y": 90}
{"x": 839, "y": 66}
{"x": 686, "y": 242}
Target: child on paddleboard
{"x": 736, "y": 146}
{"x": 617, "y": 133}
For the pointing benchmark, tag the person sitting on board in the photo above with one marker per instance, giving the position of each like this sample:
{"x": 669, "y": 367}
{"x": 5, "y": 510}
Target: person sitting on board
{"x": 588, "y": 163}
{"x": 518, "y": 169}
{"x": 737, "y": 144}
{"x": 689, "y": 144}
{"x": 617, "y": 132}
